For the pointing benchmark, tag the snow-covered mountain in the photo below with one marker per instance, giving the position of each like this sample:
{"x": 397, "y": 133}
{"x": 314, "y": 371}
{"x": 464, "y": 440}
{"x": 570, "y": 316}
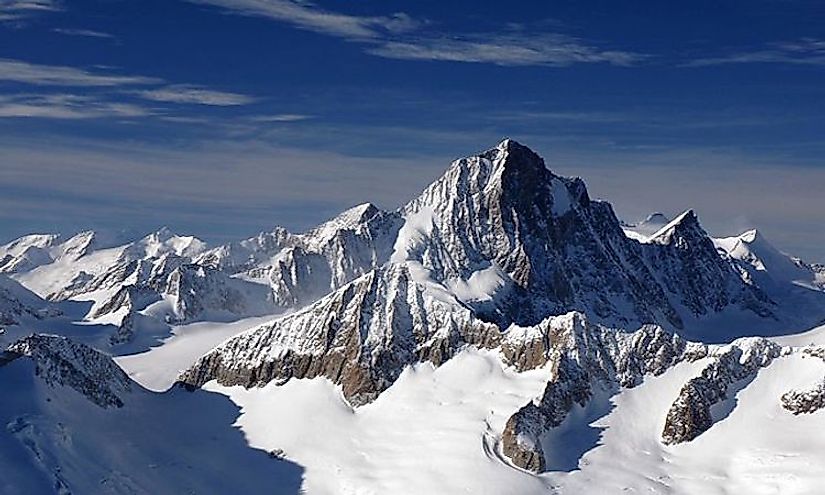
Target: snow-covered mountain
{"x": 769, "y": 267}
{"x": 499, "y": 265}
{"x": 150, "y": 282}
{"x": 497, "y": 240}
{"x": 18, "y": 303}
{"x": 300, "y": 268}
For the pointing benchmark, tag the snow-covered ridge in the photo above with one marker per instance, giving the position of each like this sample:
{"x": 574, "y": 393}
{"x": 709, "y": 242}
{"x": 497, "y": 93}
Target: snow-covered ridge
{"x": 60, "y": 362}
{"x": 361, "y": 336}
{"x": 18, "y": 303}
{"x": 500, "y": 232}
{"x": 641, "y": 231}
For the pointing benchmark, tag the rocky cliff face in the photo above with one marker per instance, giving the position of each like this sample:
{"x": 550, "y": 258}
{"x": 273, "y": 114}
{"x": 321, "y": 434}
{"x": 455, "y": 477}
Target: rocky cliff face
{"x": 17, "y": 303}
{"x": 554, "y": 250}
{"x": 196, "y": 291}
{"x": 582, "y": 357}
{"x": 360, "y": 336}
{"x": 690, "y": 415}
{"x": 809, "y": 400}
{"x": 692, "y": 270}
{"x": 60, "y": 362}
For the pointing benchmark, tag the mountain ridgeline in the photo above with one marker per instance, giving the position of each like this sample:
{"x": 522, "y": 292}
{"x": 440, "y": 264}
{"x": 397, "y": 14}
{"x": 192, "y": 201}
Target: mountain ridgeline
{"x": 498, "y": 253}
{"x": 497, "y": 245}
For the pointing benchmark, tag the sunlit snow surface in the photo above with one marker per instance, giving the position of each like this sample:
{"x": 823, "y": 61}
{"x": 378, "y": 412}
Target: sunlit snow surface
{"x": 157, "y": 368}
{"x": 435, "y": 430}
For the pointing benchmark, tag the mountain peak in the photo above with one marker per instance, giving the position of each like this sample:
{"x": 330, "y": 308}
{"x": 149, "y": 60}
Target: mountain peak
{"x": 504, "y": 143}
{"x": 347, "y": 220}
{"x": 751, "y": 236}
{"x": 162, "y": 234}
{"x": 357, "y": 214}
{"x": 507, "y": 143}
{"x": 656, "y": 218}
{"x": 685, "y": 222}
{"x": 514, "y": 156}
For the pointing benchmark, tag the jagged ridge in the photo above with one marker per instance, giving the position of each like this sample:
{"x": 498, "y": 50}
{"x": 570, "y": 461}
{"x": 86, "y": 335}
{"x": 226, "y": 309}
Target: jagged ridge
{"x": 61, "y": 362}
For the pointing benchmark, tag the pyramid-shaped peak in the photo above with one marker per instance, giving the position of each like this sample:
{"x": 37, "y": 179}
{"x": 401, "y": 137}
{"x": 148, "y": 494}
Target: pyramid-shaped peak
{"x": 358, "y": 213}
{"x": 755, "y": 241}
{"x": 683, "y": 224}
{"x": 507, "y": 144}
{"x": 348, "y": 219}
{"x": 509, "y": 173}
{"x": 510, "y": 154}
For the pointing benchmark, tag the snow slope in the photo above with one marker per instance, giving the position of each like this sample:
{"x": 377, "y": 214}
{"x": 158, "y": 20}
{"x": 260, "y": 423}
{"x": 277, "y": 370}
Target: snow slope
{"x": 56, "y": 440}
{"x": 435, "y": 430}
{"x": 158, "y": 367}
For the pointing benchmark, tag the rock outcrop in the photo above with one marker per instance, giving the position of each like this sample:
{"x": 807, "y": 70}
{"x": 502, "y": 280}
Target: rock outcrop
{"x": 18, "y": 303}
{"x": 360, "y": 336}
{"x": 582, "y": 357}
{"x": 301, "y": 268}
{"x": 59, "y": 361}
{"x": 690, "y": 415}
{"x": 805, "y": 401}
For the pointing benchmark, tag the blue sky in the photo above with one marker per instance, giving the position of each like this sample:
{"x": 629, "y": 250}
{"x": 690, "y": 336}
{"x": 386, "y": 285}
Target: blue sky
{"x": 222, "y": 118}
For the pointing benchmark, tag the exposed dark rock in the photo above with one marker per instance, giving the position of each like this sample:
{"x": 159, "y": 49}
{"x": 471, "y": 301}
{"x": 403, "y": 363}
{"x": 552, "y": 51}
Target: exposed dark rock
{"x": 805, "y": 401}
{"x": 361, "y": 336}
{"x": 61, "y": 362}
{"x": 582, "y": 356}
{"x": 690, "y": 414}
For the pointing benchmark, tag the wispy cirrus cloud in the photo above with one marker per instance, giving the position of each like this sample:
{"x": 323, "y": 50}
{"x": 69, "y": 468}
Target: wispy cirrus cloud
{"x": 105, "y": 94}
{"x": 806, "y": 51}
{"x": 89, "y": 33}
{"x": 400, "y": 36}
{"x": 195, "y": 95}
{"x": 66, "y": 107}
{"x": 508, "y": 50}
{"x": 60, "y": 75}
{"x": 281, "y": 117}
{"x": 12, "y": 10}
{"x": 308, "y": 16}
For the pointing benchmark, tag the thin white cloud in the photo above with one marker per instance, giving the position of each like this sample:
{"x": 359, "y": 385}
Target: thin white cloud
{"x": 400, "y": 36}
{"x": 83, "y": 32}
{"x": 282, "y": 117}
{"x": 195, "y": 95}
{"x": 309, "y": 16}
{"x": 807, "y": 51}
{"x": 106, "y": 101}
{"x": 11, "y": 10}
{"x": 66, "y": 107}
{"x": 59, "y": 75}
{"x": 507, "y": 50}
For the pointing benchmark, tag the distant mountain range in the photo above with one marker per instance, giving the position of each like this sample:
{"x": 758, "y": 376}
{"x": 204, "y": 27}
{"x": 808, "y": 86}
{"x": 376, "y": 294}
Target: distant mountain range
{"x": 497, "y": 256}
